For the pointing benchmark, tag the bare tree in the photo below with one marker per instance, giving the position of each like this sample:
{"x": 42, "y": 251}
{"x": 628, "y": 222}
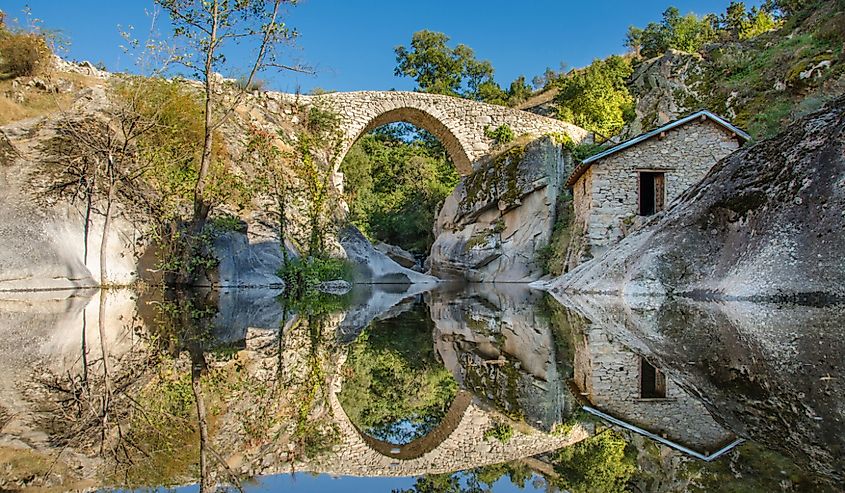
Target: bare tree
{"x": 206, "y": 28}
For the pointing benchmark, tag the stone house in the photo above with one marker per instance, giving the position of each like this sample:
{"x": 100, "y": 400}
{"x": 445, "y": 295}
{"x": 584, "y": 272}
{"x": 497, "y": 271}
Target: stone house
{"x": 615, "y": 189}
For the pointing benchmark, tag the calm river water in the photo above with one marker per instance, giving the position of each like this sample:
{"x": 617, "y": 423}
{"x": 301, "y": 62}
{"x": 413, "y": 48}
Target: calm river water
{"x": 410, "y": 389}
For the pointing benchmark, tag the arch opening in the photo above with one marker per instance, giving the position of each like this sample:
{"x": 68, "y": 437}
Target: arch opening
{"x": 397, "y": 394}
{"x": 396, "y": 178}
{"x": 455, "y": 149}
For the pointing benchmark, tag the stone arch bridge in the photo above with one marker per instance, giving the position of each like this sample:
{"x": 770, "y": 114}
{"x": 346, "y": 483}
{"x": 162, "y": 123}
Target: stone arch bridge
{"x": 458, "y": 123}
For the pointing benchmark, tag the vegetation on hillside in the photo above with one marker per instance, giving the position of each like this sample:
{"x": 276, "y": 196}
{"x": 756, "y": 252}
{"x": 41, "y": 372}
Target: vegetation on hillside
{"x": 395, "y": 180}
{"x": 23, "y": 52}
{"x": 760, "y": 67}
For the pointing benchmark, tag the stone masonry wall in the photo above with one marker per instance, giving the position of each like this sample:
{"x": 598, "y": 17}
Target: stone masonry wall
{"x": 609, "y": 373}
{"x": 609, "y": 209}
{"x": 458, "y": 123}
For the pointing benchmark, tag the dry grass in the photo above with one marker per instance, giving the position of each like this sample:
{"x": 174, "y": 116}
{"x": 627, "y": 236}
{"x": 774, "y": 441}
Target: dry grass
{"x": 40, "y": 103}
{"x": 31, "y": 469}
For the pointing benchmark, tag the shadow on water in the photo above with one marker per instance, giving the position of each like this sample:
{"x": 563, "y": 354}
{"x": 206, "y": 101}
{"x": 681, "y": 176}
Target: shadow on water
{"x": 406, "y": 388}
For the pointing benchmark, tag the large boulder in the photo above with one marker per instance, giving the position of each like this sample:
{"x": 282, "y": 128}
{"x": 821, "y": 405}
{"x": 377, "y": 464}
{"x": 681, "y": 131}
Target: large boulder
{"x": 766, "y": 222}
{"x": 496, "y": 220}
{"x": 374, "y": 267}
{"x": 43, "y": 237}
{"x": 399, "y": 255}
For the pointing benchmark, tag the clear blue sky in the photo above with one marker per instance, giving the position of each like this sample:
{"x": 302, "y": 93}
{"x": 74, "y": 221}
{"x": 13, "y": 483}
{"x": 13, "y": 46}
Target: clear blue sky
{"x": 350, "y": 43}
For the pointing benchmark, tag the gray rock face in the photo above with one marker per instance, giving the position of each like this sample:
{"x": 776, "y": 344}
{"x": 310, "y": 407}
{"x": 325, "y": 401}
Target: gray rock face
{"x": 766, "y": 222}
{"x": 336, "y": 287}
{"x": 246, "y": 263}
{"x": 499, "y": 344}
{"x": 400, "y": 256}
{"x": 496, "y": 220}
{"x": 374, "y": 267}
{"x": 43, "y": 239}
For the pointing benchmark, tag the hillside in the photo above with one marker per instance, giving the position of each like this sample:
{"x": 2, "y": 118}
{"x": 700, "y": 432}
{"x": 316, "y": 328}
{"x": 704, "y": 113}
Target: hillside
{"x": 760, "y": 84}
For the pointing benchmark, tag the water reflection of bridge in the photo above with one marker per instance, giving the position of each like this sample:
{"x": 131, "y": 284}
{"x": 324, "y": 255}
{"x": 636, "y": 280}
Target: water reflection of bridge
{"x": 499, "y": 334}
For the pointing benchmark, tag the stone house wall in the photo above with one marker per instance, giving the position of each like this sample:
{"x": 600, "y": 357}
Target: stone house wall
{"x": 606, "y": 196}
{"x": 609, "y": 374}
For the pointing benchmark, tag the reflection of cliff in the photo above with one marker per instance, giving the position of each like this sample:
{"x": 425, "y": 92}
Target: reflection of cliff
{"x": 767, "y": 372}
{"x": 499, "y": 346}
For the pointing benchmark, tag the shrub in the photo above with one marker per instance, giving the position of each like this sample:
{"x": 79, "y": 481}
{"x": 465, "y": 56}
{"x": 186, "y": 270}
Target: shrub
{"x": 597, "y": 97}
{"x": 23, "y": 54}
{"x": 302, "y": 276}
{"x": 256, "y": 84}
{"x": 501, "y": 431}
{"x": 503, "y": 134}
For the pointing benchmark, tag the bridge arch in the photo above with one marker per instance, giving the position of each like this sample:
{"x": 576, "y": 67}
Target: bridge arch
{"x": 458, "y": 123}
{"x": 455, "y": 148}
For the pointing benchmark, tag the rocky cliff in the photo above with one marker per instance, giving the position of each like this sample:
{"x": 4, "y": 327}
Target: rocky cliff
{"x": 766, "y": 222}
{"x": 496, "y": 220}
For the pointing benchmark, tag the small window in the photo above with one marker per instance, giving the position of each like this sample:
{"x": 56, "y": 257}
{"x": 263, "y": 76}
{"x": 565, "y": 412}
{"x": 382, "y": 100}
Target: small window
{"x": 652, "y": 192}
{"x": 652, "y": 381}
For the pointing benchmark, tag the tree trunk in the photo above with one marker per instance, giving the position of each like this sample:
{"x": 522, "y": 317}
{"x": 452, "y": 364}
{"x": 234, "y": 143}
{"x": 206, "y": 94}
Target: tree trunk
{"x": 201, "y": 206}
{"x": 197, "y": 368}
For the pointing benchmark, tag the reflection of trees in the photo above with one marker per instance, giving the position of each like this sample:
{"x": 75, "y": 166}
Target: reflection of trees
{"x": 394, "y": 388}
{"x": 478, "y": 480}
{"x": 603, "y": 463}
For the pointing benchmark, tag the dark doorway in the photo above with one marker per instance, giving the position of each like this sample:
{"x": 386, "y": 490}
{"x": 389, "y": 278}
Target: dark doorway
{"x": 652, "y": 381}
{"x": 652, "y": 192}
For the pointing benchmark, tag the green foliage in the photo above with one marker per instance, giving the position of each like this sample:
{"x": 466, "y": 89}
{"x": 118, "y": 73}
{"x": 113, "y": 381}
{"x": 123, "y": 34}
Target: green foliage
{"x": 478, "y": 480}
{"x": 500, "y": 431}
{"x": 685, "y": 33}
{"x": 314, "y": 150}
{"x": 597, "y": 97}
{"x": 170, "y": 149}
{"x": 439, "y": 69}
{"x": 170, "y": 446}
{"x": 395, "y": 181}
{"x": 689, "y": 33}
{"x": 227, "y": 222}
{"x": 243, "y": 82}
{"x": 394, "y": 378}
{"x": 503, "y": 134}
{"x": 552, "y": 257}
{"x": 302, "y": 276}
{"x": 598, "y": 464}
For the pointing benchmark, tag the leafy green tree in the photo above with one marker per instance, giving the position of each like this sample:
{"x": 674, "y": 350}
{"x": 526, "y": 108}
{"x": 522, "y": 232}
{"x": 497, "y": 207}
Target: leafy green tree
{"x": 204, "y": 30}
{"x": 394, "y": 379}
{"x": 598, "y": 464}
{"x": 395, "y": 182}
{"x": 439, "y": 69}
{"x": 597, "y": 97}
{"x": 685, "y": 33}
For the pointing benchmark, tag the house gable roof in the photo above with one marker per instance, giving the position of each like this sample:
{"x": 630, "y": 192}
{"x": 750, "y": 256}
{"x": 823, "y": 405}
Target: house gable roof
{"x": 585, "y": 164}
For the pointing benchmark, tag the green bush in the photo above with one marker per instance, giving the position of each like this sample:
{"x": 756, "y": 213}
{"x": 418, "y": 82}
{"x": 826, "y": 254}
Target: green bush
{"x": 503, "y": 134}
{"x": 395, "y": 182}
{"x": 500, "y": 431}
{"x": 303, "y": 275}
{"x": 23, "y": 54}
{"x": 599, "y": 464}
{"x": 228, "y": 222}
{"x": 597, "y": 97}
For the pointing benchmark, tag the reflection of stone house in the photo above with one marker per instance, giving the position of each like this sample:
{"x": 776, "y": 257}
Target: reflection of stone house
{"x": 612, "y": 190}
{"x": 621, "y": 383}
